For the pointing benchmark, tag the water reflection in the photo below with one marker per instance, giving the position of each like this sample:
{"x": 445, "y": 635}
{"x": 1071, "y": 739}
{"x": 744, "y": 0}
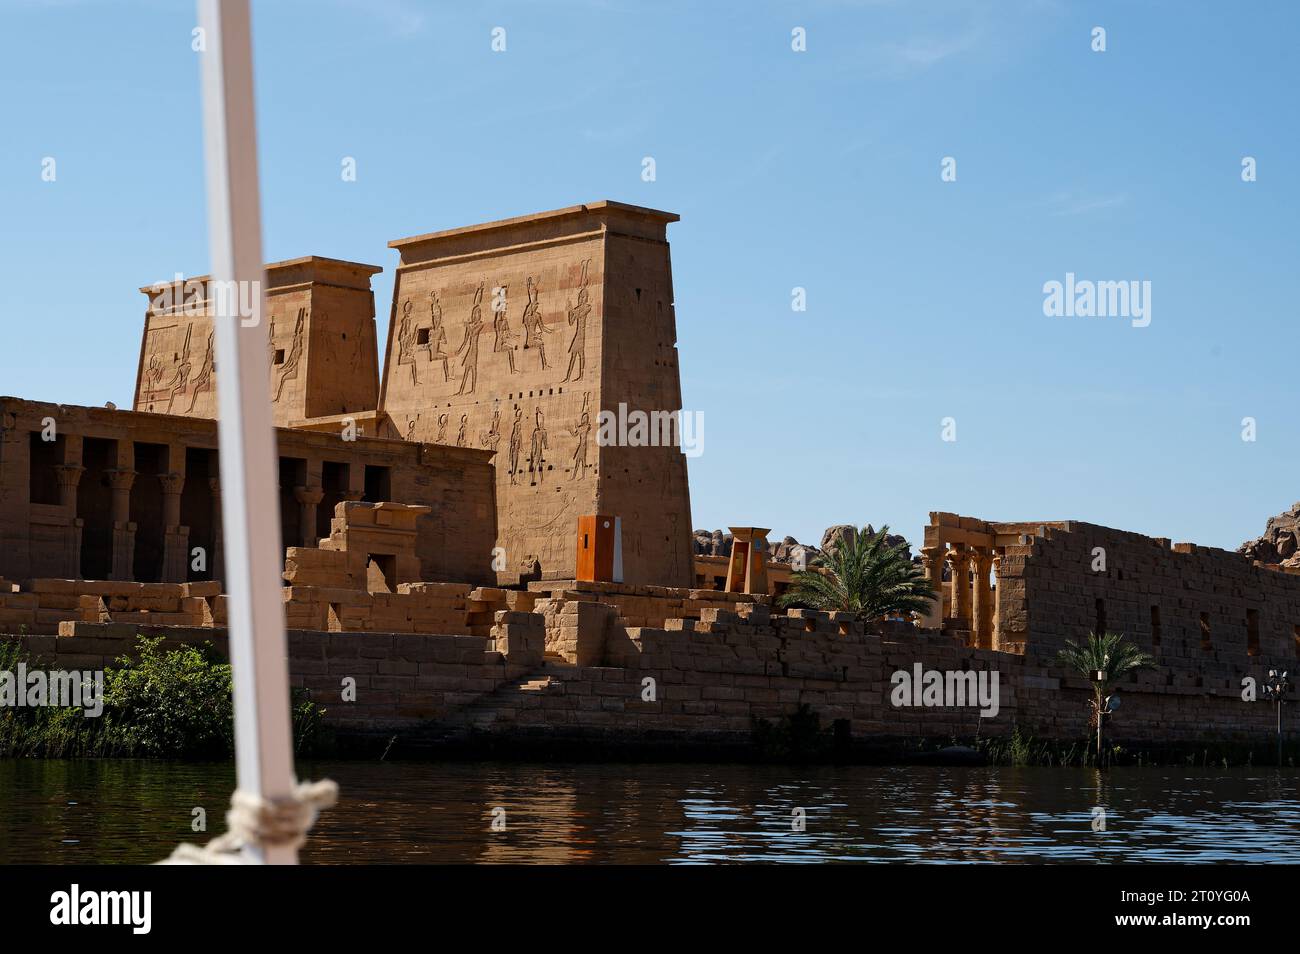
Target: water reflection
{"x": 123, "y": 811}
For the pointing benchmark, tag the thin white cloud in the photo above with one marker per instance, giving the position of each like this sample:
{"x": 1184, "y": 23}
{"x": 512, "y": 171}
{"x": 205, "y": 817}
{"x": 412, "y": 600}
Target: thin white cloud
{"x": 1069, "y": 203}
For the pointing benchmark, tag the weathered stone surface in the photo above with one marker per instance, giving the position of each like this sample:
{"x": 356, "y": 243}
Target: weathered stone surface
{"x": 1280, "y": 542}
{"x": 515, "y": 336}
{"x": 320, "y": 327}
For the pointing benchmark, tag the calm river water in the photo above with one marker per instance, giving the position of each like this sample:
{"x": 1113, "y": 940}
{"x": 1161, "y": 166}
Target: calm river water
{"x": 128, "y": 811}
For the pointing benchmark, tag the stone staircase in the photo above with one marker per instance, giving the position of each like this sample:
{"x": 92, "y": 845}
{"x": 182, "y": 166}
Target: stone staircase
{"x": 508, "y": 704}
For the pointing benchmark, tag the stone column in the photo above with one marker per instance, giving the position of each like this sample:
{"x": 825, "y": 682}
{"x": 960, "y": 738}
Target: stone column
{"x": 69, "y": 476}
{"x": 175, "y": 537}
{"x": 216, "y": 556}
{"x": 932, "y": 560}
{"x": 121, "y": 480}
{"x": 982, "y": 624}
{"x": 308, "y": 498}
{"x": 997, "y": 599}
{"x": 959, "y": 556}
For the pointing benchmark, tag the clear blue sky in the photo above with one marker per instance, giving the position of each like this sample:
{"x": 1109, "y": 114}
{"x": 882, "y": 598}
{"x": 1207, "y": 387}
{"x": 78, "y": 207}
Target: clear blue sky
{"x": 818, "y": 169}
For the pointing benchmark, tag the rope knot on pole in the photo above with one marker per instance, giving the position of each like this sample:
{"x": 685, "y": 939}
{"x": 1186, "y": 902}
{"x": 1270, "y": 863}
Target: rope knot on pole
{"x": 253, "y": 822}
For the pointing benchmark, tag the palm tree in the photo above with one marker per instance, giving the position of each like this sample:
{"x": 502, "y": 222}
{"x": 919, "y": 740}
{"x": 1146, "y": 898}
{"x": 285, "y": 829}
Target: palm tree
{"x": 1103, "y": 660}
{"x": 862, "y": 575}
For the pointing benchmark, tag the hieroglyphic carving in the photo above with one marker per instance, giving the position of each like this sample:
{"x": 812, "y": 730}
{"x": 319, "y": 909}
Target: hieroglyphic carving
{"x": 505, "y": 339}
{"x": 552, "y": 535}
{"x": 180, "y": 381}
{"x": 582, "y": 431}
{"x": 469, "y": 347}
{"x": 535, "y": 330}
{"x": 516, "y": 442}
{"x": 673, "y": 544}
{"x": 460, "y": 434}
{"x": 203, "y": 381}
{"x": 635, "y": 547}
{"x": 493, "y": 437}
{"x": 537, "y": 455}
{"x": 578, "y": 318}
{"x": 437, "y": 335}
{"x": 153, "y": 375}
{"x": 289, "y": 370}
{"x": 406, "y": 342}
{"x": 410, "y": 429}
{"x": 442, "y": 429}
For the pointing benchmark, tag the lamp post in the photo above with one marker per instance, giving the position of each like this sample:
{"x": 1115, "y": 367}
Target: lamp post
{"x": 1275, "y": 689}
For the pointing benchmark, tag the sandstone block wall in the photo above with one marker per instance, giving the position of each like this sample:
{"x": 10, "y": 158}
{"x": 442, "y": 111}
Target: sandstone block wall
{"x": 120, "y": 495}
{"x": 514, "y": 336}
{"x": 1166, "y": 598}
{"x": 45, "y": 604}
{"x": 711, "y": 677}
{"x": 321, "y": 345}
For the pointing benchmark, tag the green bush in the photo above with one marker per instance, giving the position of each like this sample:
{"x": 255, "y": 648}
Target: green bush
{"x": 157, "y": 704}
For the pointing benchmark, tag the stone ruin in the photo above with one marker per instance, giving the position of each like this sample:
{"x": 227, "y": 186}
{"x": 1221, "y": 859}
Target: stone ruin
{"x": 1280, "y": 542}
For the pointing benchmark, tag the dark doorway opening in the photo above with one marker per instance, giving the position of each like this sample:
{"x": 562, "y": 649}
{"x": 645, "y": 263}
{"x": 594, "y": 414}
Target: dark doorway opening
{"x": 378, "y": 484}
{"x": 293, "y": 473}
{"x": 95, "y": 507}
{"x": 42, "y": 478}
{"x": 196, "y": 512}
{"x": 147, "y": 512}
{"x": 334, "y": 481}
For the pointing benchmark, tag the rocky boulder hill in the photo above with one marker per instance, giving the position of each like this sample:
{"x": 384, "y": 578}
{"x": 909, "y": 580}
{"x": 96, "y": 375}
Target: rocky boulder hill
{"x": 1280, "y": 542}
{"x": 789, "y": 550}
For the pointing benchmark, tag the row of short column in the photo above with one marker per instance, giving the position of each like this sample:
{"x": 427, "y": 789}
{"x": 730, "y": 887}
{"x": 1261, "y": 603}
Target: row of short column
{"x": 176, "y": 560}
{"x": 176, "y": 555}
{"x": 972, "y": 598}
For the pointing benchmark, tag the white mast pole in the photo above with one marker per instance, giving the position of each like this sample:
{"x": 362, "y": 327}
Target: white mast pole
{"x": 249, "y": 475}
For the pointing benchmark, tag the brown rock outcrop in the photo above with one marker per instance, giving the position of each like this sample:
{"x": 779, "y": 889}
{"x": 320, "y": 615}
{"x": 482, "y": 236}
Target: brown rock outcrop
{"x": 1280, "y": 542}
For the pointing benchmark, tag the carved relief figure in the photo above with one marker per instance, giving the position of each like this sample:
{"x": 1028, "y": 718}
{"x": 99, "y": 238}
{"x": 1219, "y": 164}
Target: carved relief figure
{"x": 505, "y": 339}
{"x": 460, "y": 434}
{"x": 578, "y": 318}
{"x": 672, "y": 544}
{"x": 203, "y": 381}
{"x": 442, "y": 429}
{"x": 582, "y": 431}
{"x": 469, "y": 347}
{"x": 289, "y": 370}
{"x": 270, "y": 345}
{"x": 535, "y": 330}
{"x": 493, "y": 437}
{"x": 406, "y": 342}
{"x": 410, "y": 429}
{"x": 152, "y": 378}
{"x": 180, "y": 381}
{"x": 537, "y": 458}
{"x": 516, "y": 442}
{"x": 437, "y": 334}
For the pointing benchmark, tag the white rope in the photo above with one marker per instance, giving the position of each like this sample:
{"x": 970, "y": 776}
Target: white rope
{"x": 254, "y": 822}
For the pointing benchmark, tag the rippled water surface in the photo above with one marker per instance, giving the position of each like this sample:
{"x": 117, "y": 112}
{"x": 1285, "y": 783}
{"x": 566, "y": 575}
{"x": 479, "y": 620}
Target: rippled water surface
{"x": 125, "y": 811}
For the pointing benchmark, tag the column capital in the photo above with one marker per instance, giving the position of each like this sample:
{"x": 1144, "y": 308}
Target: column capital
{"x": 309, "y": 495}
{"x": 172, "y": 483}
{"x": 983, "y": 560}
{"x": 69, "y": 475}
{"x": 121, "y": 479}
